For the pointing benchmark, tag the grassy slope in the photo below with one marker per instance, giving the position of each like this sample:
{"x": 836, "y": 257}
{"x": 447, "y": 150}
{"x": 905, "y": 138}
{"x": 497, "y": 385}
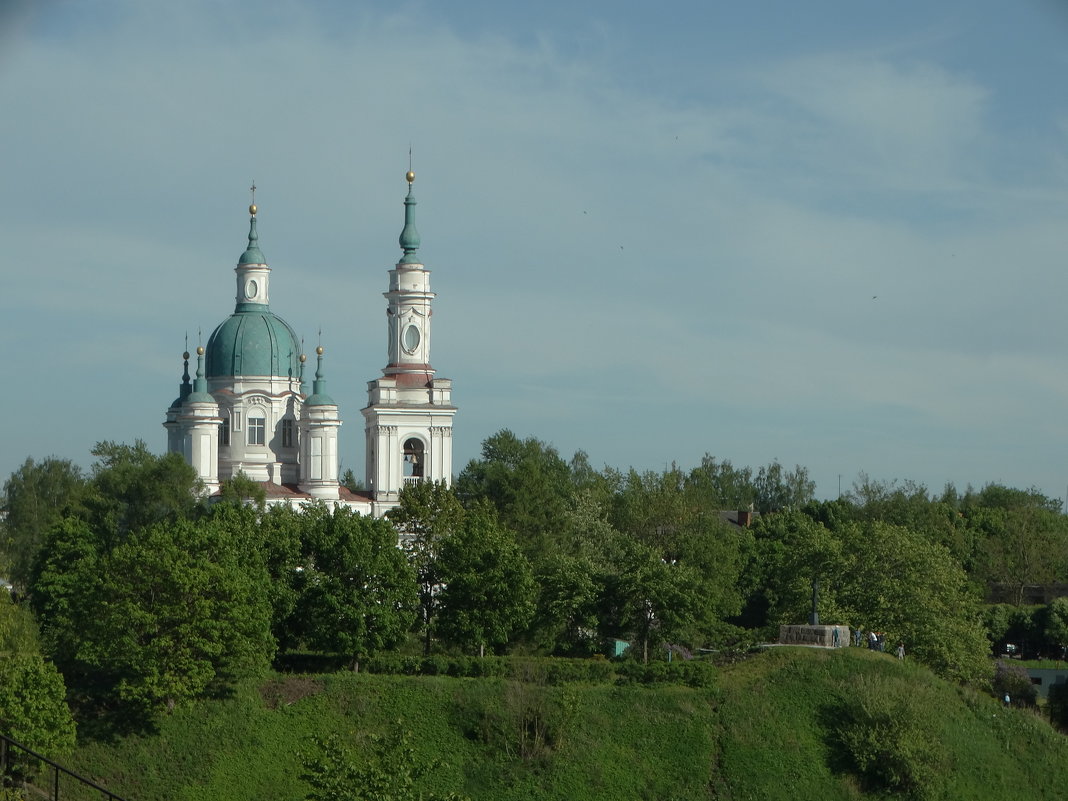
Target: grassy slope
{"x": 764, "y": 733}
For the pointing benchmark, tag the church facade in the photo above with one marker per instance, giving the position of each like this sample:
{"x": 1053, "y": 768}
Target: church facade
{"x": 247, "y": 410}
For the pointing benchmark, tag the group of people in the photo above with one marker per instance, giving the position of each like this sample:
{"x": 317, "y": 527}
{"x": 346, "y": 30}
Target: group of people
{"x": 876, "y": 642}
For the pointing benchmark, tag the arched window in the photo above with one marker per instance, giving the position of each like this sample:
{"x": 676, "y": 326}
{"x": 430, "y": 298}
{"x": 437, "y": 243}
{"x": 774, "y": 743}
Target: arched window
{"x": 413, "y": 459}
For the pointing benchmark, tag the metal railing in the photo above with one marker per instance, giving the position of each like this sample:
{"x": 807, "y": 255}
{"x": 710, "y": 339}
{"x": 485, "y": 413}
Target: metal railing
{"x": 10, "y": 748}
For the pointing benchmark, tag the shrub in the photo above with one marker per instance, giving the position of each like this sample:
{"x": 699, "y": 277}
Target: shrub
{"x": 888, "y": 730}
{"x": 1013, "y": 681}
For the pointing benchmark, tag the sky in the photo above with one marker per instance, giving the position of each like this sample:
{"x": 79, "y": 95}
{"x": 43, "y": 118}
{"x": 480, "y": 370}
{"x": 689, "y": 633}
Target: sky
{"x": 832, "y": 234}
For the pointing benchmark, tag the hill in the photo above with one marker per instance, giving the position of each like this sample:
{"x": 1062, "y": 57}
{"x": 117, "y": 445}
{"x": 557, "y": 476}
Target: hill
{"x": 787, "y": 724}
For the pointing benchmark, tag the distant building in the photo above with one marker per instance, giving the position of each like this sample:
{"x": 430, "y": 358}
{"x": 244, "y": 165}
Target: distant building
{"x": 248, "y": 411}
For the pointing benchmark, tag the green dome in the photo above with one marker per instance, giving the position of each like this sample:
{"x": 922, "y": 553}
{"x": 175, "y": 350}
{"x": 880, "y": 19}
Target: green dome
{"x": 253, "y": 343}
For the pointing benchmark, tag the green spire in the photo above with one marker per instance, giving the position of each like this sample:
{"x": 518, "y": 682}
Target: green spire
{"x": 252, "y": 254}
{"x": 409, "y": 238}
{"x": 319, "y": 396}
{"x": 185, "y": 388}
{"x": 200, "y": 384}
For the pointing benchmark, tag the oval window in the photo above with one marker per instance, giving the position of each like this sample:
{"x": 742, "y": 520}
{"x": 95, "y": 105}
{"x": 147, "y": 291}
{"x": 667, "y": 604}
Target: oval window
{"x": 250, "y": 290}
{"x": 411, "y": 338}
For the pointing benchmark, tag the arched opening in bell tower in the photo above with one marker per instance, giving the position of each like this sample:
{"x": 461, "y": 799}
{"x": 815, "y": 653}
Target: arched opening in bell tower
{"x": 413, "y": 460}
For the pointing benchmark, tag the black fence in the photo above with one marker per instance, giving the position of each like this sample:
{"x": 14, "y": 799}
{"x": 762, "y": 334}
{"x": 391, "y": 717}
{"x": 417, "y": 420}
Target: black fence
{"x": 41, "y": 778}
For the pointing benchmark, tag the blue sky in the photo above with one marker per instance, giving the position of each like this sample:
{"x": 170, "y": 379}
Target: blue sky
{"x": 832, "y": 234}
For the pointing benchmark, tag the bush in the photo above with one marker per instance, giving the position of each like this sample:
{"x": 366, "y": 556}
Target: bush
{"x": 1013, "y": 681}
{"x": 888, "y": 730}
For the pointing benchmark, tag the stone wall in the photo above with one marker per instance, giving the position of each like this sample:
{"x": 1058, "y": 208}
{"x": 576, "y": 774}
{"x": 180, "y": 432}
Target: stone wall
{"x": 813, "y": 635}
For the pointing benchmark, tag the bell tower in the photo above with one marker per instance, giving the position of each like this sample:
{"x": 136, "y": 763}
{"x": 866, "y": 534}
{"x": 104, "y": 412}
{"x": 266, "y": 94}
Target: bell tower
{"x": 408, "y": 418}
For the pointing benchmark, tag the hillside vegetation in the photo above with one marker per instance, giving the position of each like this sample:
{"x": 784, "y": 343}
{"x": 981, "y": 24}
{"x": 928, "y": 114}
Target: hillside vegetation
{"x": 787, "y": 724}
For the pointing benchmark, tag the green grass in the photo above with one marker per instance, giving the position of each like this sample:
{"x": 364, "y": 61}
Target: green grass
{"x": 767, "y": 731}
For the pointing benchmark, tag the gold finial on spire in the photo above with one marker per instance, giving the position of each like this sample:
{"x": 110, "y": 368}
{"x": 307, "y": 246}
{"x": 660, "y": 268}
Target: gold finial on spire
{"x": 411, "y": 175}
{"x": 252, "y": 209}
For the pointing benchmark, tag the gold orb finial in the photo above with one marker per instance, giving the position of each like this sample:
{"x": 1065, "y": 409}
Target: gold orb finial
{"x": 319, "y": 350}
{"x": 303, "y": 358}
{"x": 410, "y": 177}
{"x": 252, "y": 209}
{"x": 200, "y": 350}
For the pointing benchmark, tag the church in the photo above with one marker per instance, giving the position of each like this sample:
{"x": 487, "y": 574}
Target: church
{"x": 248, "y": 409}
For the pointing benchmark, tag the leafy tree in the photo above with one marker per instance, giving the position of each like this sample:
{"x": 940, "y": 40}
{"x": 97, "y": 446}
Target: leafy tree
{"x": 1056, "y": 625}
{"x": 360, "y": 590}
{"x": 896, "y": 580}
{"x": 777, "y": 489}
{"x": 650, "y": 595}
{"x": 350, "y": 482}
{"x": 32, "y": 694}
{"x": 35, "y": 497}
{"x": 713, "y": 486}
{"x": 1021, "y": 546}
{"x": 651, "y": 506}
{"x": 793, "y": 551}
{"x": 567, "y": 601}
{"x": 243, "y": 490}
{"x": 998, "y": 496}
{"x": 132, "y": 488}
{"x": 428, "y": 513}
{"x": 488, "y": 593}
{"x": 278, "y": 533}
{"x": 526, "y": 481}
{"x": 174, "y": 610}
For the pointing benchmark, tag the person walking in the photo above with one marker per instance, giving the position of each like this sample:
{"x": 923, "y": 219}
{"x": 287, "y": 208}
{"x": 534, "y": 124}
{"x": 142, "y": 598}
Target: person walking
{"x": 901, "y": 650}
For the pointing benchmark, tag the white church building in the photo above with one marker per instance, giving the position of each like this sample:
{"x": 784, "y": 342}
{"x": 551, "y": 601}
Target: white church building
{"x": 248, "y": 410}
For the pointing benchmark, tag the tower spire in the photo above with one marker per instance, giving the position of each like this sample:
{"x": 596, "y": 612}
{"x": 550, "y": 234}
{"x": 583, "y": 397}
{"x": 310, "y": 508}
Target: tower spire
{"x": 409, "y": 237}
{"x": 252, "y": 254}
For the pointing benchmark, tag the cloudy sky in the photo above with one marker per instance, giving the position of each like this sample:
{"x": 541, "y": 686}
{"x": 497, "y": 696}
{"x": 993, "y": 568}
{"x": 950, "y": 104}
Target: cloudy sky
{"x": 829, "y": 233}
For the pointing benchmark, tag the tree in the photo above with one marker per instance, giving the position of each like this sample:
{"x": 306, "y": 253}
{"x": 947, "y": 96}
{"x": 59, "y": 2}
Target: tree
{"x": 777, "y": 489}
{"x": 1021, "y": 546}
{"x": 650, "y": 595}
{"x": 428, "y": 513}
{"x": 32, "y": 695}
{"x": 527, "y": 483}
{"x": 488, "y": 590}
{"x": 174, "y": 610}
{"x": 35, "y": 498}
{"x": 1056, "y": 629}
{"x": 713, "y": 485}
{"x": 132, "y": 488}
{"x": 894, "y": 579}
{"x": 793, "y": 552}
{"x": 242, "y": 490}
{"x": 361, "y": 592}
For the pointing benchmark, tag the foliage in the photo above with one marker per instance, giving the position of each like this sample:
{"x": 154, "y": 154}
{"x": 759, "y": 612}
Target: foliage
{"x": 132, "y": 488}
{"x": 427, "y": 513}
{"x": 33, "y": 703}
{"x": 889, "y": 729}
{"x": 488, "y": 593}
{"x": 335, "y": 773}
{"x": 1013, "y": 681}
{"x": 765, "y": 730}
{"x": 360, "y": 591}
{"x": 526, "y": 481}
{"x": 896, "y": 580}
{"x": 243, "y": 490}
{"x": 34, "y": 499}
{"x": 175, "y": 609}
{"x": 1021, "y": 546}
